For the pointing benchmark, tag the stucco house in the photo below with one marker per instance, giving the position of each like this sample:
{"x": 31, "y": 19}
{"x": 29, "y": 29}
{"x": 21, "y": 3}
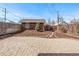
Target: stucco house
{"x": 31, "y": 23}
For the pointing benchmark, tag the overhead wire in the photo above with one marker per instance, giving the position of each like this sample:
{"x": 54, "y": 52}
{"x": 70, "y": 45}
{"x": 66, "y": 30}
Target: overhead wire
{"x": 10, "y": 13}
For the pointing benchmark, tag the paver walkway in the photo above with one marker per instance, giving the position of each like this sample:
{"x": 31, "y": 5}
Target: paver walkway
{"x": 31, "y": 46}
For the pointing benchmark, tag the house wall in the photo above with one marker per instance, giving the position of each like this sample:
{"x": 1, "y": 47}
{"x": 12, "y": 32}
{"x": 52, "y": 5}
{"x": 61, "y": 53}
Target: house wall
{"x": 31, "y": 26}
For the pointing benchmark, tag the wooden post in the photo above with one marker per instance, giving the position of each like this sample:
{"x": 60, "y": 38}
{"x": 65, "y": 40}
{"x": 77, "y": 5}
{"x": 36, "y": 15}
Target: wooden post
{"x": 5, "y": 14}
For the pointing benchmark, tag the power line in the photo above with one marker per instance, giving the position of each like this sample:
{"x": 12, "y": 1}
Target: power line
{"x": 13, "y": 14}
{"x": 7, "y": 12}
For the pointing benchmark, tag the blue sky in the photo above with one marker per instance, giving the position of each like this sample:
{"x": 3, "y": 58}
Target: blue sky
{"x": 42, "y": 10}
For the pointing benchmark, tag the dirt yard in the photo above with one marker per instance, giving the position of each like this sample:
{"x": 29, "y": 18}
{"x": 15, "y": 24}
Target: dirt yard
{"x": 34, "y": 33}
{"x": 32, "y": 46}
{"x": 45, "y": 34}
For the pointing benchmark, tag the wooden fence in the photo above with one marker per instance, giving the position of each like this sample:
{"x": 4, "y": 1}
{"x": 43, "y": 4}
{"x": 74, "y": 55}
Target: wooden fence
{"x": 6, "y": 28}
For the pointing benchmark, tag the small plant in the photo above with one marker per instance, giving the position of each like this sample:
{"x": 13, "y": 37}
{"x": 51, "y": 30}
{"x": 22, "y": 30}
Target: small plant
{"x": 37, "y": 27}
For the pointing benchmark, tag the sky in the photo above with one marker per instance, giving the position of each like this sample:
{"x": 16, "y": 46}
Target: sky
{"x": 17, "y": 11}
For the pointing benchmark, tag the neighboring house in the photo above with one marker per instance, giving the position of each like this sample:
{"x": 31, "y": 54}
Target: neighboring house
{"x": 31, "y": 23}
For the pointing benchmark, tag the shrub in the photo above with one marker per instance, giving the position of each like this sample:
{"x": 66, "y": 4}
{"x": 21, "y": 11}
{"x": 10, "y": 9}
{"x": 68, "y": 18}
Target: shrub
{"x": 63, "y": 29}
{"x": 78, "y": 31}
{"x": 37, "y": 27}
{"x": 77, "y": 28}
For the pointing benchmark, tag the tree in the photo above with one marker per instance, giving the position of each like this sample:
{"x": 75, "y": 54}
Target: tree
{"x": 49, "y": 21}
{"x": 61, "y": 19}
{"x": 53, "y": 22}
{"x": 77, "y": 28}
{"x": 74, "y": 23}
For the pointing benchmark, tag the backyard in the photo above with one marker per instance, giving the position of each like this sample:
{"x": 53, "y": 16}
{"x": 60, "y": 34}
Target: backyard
{"x": 39, "y": 30}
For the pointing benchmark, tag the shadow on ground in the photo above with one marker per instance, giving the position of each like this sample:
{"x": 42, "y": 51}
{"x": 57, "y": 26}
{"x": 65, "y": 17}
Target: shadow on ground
{"x": 58, "y": 54}
{"x": 2, "y": 36}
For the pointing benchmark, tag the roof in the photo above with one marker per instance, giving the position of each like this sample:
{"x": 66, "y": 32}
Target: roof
{"x": 32, "y": 21}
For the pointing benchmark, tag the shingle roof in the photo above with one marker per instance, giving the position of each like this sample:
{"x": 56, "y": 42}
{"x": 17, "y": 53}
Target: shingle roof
{"x": 32, "y": 20}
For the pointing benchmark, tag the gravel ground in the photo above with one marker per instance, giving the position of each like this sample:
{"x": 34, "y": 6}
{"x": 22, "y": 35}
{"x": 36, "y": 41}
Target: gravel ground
{"x": 32, "y": 46}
